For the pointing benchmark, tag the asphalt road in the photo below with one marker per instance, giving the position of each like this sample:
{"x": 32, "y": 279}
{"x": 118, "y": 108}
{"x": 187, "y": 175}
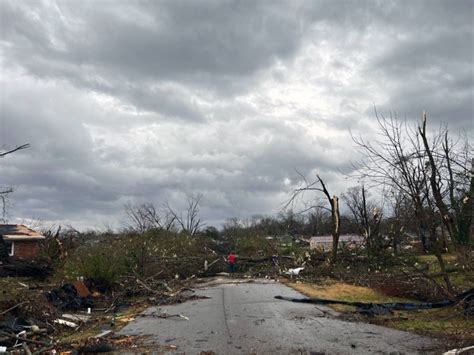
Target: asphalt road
{"x": 245, "y": 318}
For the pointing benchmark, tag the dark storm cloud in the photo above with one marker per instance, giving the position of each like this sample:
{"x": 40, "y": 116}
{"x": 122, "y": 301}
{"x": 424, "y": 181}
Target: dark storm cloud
{"x": 453, "y": 108}
{"x": 203, "y": 44}
{"x": 428, "y": 64}
{"x": 227, "y": 38}
{"x": 433, "y": 74}
{"x": 156, "y": 100}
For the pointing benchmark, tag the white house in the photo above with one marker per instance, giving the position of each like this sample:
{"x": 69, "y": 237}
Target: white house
{"x": 324, "y": 242}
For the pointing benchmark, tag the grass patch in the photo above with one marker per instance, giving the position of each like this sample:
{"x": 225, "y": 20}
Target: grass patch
{"x": 81, "y": 336}
{"x": 447, "y": 322}
{"x": 459, "y": 278}
{"x": 342, "y": 291}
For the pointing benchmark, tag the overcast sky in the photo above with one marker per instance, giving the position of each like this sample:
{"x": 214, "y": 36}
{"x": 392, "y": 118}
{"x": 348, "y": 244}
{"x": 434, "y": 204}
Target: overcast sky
{"x": 156, "y": 100}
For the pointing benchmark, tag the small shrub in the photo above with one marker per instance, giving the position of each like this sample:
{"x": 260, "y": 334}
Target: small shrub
{"x": 96, "y": 263}
{"x": 254, "y": 245}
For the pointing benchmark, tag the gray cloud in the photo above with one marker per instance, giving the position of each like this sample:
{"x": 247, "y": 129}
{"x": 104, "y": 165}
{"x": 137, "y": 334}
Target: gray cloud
{"x": 153, "y": 100}
{"x": 202, "y": 44}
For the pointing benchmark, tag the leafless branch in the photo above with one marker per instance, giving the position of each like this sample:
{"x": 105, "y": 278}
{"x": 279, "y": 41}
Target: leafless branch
{"x": 189, "y": 222}
{"x": 24, "y": 146}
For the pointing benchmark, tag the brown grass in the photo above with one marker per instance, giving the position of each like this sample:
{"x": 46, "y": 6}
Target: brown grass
{"x": 342, "y": 291}
{"x": 448, "y": 323}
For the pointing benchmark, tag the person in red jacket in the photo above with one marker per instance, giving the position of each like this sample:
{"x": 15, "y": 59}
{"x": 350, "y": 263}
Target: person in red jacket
{"x": 231, "y": 262}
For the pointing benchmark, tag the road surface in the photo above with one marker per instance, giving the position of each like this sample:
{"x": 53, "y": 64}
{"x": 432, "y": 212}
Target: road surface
{"x": 245, "y": 318}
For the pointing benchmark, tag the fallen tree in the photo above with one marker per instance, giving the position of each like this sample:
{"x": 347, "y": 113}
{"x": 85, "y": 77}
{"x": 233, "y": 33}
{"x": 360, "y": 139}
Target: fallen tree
{"x": 384, "y": 308}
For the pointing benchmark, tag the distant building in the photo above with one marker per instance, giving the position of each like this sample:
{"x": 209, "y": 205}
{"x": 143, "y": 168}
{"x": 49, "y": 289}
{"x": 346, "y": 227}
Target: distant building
{"x": 19, "y": 241}
{"x": 324, "y": 242}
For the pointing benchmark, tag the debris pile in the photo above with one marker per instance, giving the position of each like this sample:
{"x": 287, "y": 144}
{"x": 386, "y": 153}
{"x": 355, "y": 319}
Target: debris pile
{"x": 71, "y": 297}
{"x": 34, "y": 318}
{"x": 105, "y": 342}
{"x": 39, "y": 269}
{"x": 27, "y": 326}
{"x": 21, "y": 334}
{"x": 157, "y": 291}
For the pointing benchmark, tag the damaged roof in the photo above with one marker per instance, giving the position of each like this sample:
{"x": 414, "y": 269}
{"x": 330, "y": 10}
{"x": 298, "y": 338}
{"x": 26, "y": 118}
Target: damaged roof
{"x": 18, "y": 232}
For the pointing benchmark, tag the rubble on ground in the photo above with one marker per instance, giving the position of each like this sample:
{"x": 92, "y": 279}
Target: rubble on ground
{"x": 67, "y": 297}
{"x": 40, "y": 315}
{"x": 39, "y": 269}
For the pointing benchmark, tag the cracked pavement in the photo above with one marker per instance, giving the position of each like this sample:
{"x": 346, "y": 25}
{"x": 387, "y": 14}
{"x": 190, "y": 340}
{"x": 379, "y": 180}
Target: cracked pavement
{"x": 243, "y": 317}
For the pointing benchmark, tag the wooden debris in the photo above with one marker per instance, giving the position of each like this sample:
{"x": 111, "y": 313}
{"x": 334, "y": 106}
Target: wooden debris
{"x": 66, "y": 323}
{"x": 104, "y": 334}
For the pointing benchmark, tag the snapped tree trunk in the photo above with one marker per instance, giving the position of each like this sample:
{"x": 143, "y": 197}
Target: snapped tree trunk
{"x": 336, "y": 226}
{"x": 334, "y": 209}
{"x": 335, "y": 218}
{"x": 435, "y": 189}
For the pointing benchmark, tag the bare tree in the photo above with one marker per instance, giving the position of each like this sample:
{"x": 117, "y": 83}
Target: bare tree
{"x": 367, "y": 216}
{"x": 396, "y": 162}
{"x": 320, "y": 186}
{"x": 456, "y": 213}
{"x": 292, "y": 223}
{"x": 432, "y": 174}
{"x": 143, "y": 217}
{"x": 6, "y": 191}
{"x": 434, "y": 178}
{"x": 4, "y": 194}
{"x": 316, "y": 219}
{"x": 188, "y": 220}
